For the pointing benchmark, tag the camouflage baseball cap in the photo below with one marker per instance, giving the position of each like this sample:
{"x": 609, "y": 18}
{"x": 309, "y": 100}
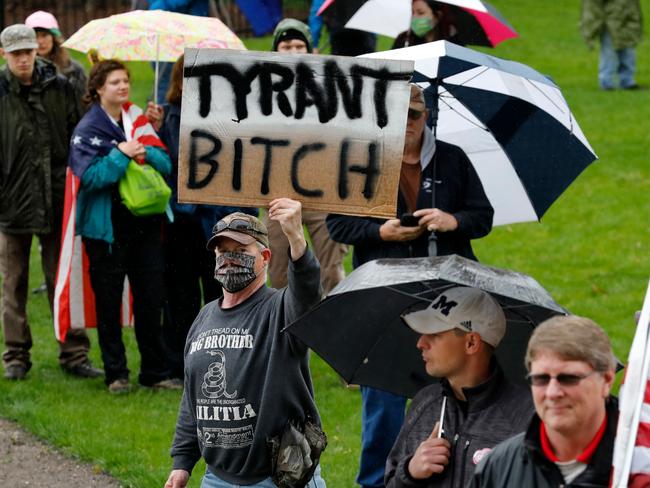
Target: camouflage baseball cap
{"x": 240, "y": 227}
{"x": 18, "y": 36}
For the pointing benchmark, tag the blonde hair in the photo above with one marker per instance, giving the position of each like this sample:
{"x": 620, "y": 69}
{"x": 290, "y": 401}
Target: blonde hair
{"x": 572, "y": 338}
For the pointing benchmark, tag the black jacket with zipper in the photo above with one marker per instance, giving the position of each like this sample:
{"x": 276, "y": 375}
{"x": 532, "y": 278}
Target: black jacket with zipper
{"x": 458, "y": 191}
{"x": 495, "y": 411}
{"x": 520, "y": 461}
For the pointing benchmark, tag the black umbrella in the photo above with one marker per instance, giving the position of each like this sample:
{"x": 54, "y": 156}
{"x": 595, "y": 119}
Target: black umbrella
{"x": 357, "y": 329}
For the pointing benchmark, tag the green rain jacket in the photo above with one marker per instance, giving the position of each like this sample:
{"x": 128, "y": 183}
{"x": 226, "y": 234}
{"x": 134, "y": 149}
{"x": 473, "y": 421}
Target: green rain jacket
{"x": 622, "y": 18}
{"x": 35, "y": 130}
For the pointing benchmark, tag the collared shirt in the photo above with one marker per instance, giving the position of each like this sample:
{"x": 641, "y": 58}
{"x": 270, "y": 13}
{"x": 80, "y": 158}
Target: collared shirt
{"x": 572, "y": 469}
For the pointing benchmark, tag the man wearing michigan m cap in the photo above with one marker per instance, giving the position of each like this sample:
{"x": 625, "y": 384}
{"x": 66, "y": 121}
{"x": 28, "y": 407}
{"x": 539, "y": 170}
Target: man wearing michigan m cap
{"x": 459, "y": 332}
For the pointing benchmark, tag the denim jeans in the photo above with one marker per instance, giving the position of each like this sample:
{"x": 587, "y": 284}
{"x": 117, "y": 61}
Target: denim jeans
{"x": 613, "y": 62}
{"x": 212, "y": 481}
{"x": 382, "y": 416}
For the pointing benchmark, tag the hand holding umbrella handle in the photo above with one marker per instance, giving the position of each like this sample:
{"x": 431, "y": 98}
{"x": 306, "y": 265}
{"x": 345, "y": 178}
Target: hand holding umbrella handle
{"x": 433, "y": 244}
{"x": 431, "y": 456}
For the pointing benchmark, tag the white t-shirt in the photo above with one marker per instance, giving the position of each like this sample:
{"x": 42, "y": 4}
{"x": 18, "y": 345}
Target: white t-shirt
{"x": 571, "y": 469}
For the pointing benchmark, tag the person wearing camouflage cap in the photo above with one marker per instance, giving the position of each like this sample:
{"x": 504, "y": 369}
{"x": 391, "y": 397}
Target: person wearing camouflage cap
{"x": 38, "y": 111}
{"x": 245, "y": 379}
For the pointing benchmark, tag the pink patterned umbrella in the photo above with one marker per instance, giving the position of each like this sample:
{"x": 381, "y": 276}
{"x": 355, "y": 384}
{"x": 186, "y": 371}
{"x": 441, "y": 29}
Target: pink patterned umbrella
{"x": 151, "y": 35}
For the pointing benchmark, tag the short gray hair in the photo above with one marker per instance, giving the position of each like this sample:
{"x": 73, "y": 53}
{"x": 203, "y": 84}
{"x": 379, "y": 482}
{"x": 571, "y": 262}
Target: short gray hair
{"x": 572, "y": 338}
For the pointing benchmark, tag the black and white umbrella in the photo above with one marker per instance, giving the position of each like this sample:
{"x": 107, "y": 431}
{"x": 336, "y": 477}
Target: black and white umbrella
{"x": 512, "y": 122}
{"x": 475, "y": 22}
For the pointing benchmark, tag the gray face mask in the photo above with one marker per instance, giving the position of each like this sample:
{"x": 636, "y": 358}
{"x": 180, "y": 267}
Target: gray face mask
{"x": 238, "y": 274}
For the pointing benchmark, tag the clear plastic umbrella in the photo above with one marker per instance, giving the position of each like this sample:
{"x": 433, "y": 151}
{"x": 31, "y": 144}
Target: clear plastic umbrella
{"x": 357, "y": 329}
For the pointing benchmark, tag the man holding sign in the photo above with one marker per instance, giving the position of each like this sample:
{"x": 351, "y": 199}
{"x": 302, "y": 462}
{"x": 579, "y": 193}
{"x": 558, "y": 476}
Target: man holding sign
{"x": 293, "y": 36}
{"x": 452, "y": 424}
{"x": 440, "y": 194}
{"x": 244, "y": 378}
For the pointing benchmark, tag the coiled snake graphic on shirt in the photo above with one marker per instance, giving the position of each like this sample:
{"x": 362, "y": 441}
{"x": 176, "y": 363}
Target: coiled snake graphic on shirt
{"x": 214, "y": 381}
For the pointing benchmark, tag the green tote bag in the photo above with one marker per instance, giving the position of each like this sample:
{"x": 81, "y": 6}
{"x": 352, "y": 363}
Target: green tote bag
{"x": 143, "y": 190}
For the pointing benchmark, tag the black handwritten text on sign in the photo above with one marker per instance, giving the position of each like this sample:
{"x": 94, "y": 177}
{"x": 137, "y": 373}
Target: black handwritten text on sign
{"x": 326, "y": 130}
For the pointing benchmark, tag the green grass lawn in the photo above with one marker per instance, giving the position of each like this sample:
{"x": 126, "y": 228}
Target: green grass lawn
{"x": 591, "y": 251}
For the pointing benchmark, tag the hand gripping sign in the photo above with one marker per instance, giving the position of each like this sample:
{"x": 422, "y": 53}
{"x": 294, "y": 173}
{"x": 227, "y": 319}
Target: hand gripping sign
{"x": 325, "y": 130}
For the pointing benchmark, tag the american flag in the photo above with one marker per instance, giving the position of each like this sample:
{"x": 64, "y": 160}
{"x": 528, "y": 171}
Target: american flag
{"x": 96, "y": 134}
{"x": 631, "y": 463}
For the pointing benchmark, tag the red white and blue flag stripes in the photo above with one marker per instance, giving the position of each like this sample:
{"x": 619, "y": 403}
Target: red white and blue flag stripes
{"x": 74, "y": 299}
{"x": 631, "y": 463}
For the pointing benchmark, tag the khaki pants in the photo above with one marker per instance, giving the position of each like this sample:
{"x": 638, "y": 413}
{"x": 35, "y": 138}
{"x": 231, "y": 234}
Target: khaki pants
{"x": 330, "y": 254}
{"x": 14, "y": 269}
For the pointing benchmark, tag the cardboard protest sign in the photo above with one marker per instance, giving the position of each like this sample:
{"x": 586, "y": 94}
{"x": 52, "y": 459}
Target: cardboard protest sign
{"x": 325, "y": 130}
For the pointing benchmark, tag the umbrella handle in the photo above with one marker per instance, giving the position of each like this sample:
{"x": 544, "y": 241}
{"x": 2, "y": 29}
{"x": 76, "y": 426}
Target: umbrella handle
{"x": 433, "y": 244}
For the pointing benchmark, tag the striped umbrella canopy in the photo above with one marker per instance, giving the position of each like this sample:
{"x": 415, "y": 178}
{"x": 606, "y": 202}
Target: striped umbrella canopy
{"x": 151, "y": 35}
{"x": 512, "y": 122}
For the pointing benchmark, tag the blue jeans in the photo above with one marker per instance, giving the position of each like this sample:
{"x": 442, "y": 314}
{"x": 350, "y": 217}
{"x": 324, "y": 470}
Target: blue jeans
{"x": 382, "y": 416}
{"x": 212, "y": 481}
{"x": 613, "y": 62}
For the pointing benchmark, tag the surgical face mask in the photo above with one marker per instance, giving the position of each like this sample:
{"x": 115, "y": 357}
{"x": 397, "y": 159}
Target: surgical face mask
{"x": 421, "y": 25}
{"x": 235, "y": 270}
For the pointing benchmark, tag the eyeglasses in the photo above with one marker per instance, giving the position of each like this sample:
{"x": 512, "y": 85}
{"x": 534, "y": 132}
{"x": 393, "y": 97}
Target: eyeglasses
{"x": 414, "y": 114}
{"x": 564, "y": 379}
{"x": 235, "y": 224}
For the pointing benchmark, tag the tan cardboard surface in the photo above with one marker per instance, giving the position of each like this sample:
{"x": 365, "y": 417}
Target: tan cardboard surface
{"x": 307, "y": 127}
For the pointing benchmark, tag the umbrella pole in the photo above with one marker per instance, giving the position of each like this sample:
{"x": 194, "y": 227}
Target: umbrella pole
{"x": 155, "y": 82}
{"x": 433, "y": 121}
{"x": 433, "y": 113}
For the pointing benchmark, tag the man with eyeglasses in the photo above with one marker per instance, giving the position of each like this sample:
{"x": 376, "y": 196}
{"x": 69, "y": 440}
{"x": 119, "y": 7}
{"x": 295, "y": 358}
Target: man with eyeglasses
{"x": 453, "y": 423}
{"x": 440, "y": 195}
{"x": 244, "y": 378}
{"x": 570, "y": 441}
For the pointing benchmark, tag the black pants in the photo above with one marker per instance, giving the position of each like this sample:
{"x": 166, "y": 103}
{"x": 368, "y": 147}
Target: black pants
{"x": 189, "y": 268}
{"x": 137, "y": 254}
